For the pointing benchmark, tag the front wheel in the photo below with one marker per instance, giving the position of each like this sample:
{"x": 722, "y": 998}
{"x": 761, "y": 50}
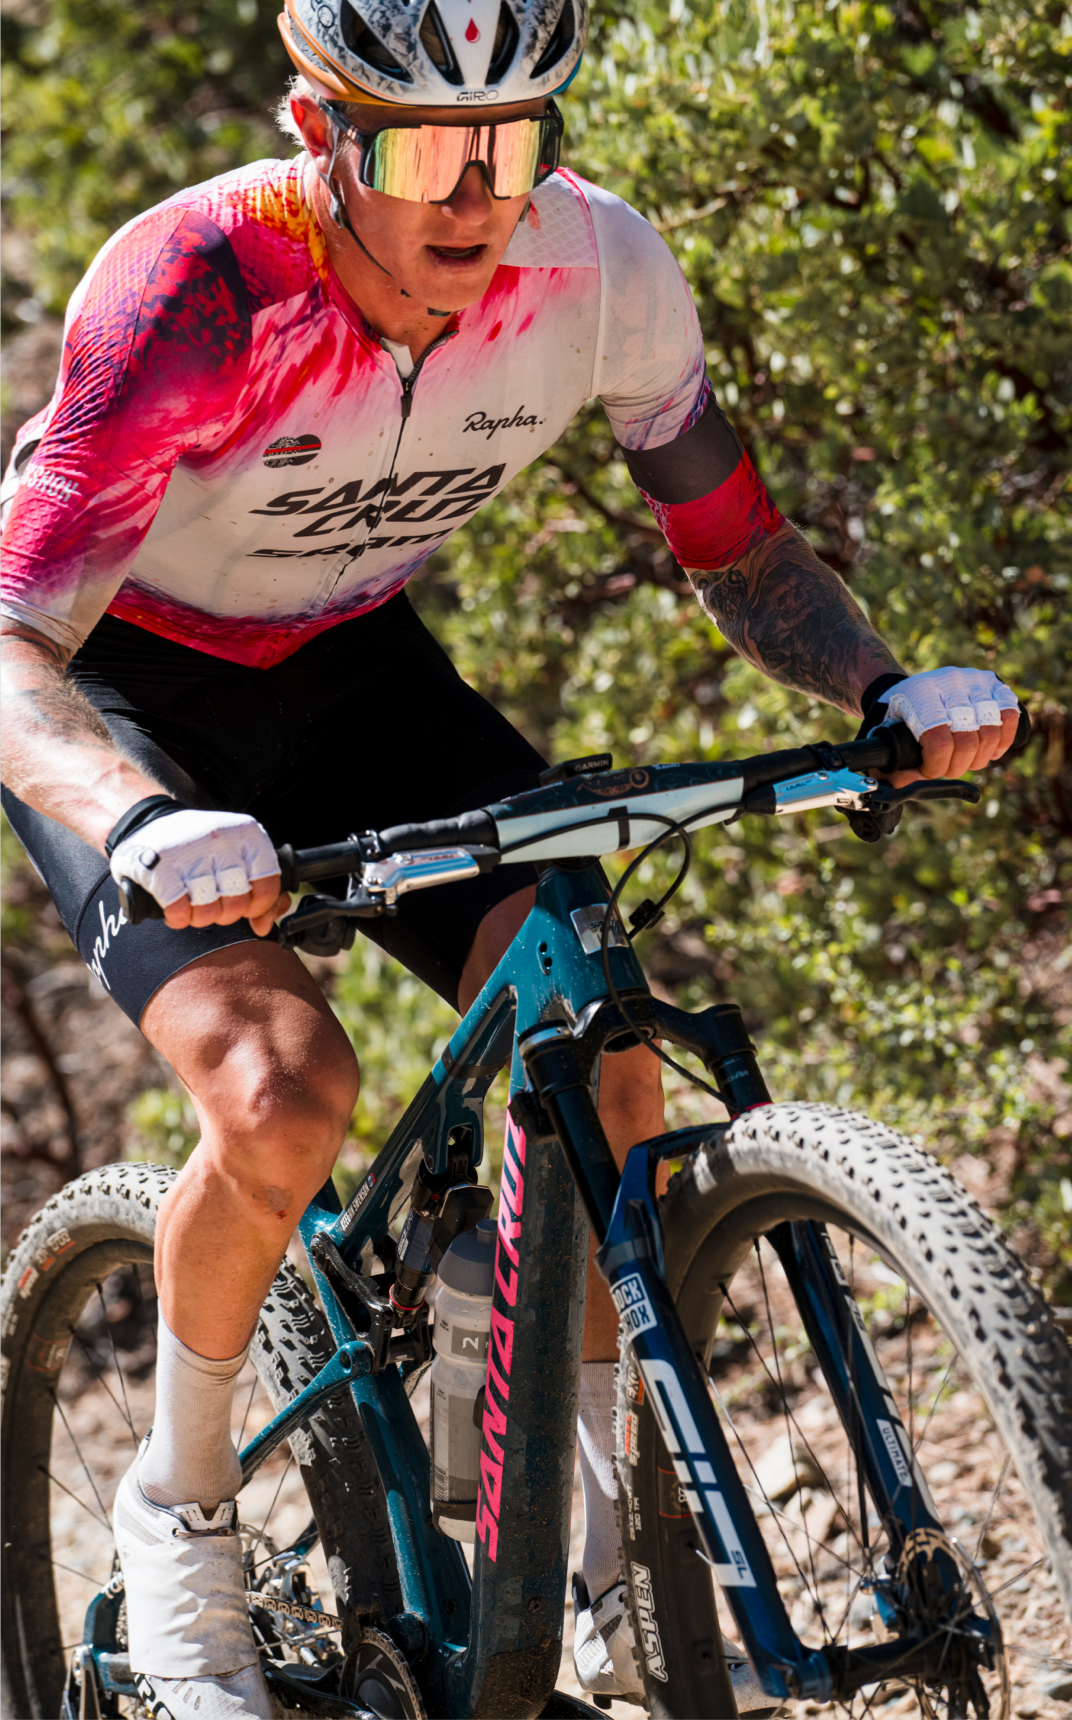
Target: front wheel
{"x": 78, "y": 1316}
{"x": 981, "y": 1377}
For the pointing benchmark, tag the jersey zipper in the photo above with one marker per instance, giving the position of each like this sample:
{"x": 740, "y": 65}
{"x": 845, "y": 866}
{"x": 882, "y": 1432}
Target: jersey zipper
{"x": 408, "y": 384}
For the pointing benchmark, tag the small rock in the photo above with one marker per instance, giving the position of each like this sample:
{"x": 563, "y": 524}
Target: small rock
{"x": 941, "y": 1474}
{"x": 1055, "y": 1682}
{"x": 989, "y": 1547}
{"x": 785, "y": 1467}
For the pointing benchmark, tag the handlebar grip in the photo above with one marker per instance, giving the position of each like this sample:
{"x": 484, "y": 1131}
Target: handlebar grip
{"x": 1023, "y": 734}
{"x": 137, "y": 904}
{"x": 903, "y": 751}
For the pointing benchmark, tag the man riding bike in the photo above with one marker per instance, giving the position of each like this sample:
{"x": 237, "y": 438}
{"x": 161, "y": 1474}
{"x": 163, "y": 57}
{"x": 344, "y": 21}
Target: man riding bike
{"x": 279, "y": 392}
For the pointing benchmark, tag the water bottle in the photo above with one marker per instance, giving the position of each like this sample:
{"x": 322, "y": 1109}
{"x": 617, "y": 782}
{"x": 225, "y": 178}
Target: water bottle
{"x": 462, "y": 1323}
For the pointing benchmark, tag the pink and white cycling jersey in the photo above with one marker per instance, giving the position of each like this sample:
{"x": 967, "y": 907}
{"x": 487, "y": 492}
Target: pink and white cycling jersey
{"x": 228, "y": 460}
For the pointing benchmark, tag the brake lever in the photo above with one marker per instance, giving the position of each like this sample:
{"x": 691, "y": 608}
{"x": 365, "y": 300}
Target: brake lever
{"x": 885, "y": 797}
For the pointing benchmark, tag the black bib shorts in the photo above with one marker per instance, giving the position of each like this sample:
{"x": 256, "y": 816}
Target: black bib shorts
{"x": 367, "y": 726}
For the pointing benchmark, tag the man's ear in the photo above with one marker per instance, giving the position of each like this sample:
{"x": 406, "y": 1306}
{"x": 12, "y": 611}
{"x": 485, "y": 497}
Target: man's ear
{"x": 314, "y": 128}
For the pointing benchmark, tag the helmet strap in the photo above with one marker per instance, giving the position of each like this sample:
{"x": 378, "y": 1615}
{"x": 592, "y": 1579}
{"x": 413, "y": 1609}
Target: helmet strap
{"x": 340, "y": 216}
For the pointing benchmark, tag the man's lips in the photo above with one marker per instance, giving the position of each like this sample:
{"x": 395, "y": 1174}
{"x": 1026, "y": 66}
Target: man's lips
{"x": 457, "y": 253}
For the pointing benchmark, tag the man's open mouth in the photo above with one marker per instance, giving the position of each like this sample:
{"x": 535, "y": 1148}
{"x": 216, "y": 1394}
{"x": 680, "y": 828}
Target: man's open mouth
{"x": 458, "y": 253}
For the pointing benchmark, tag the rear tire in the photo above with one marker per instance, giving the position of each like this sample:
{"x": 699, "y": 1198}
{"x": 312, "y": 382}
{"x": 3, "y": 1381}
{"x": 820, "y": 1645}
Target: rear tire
{"x": 968, "y": 1309}
{"x": 98, "y": 1232}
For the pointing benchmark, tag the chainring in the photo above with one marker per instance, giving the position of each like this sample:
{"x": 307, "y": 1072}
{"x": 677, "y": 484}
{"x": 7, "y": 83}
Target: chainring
{"x": 377, "y": 1677}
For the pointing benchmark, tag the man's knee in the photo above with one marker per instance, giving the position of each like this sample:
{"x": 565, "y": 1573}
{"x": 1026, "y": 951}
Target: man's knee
{"x": 272, "y": 1074}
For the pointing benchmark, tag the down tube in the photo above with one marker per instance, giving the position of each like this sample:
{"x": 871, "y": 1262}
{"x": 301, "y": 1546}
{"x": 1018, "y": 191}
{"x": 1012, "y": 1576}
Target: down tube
{"x": 537, "y": 1317}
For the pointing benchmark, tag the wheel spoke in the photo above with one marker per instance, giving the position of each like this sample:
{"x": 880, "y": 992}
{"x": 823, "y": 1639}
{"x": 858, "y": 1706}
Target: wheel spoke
{"x": 275, "y": 1496}
{"x": 78, "y": 1449}
{"x": 99, "y": 1376}
{"x": 103, "y": 1521}
{"x": 249, "y": 1406}
{"x": 118, "y": 1369}
{"x": 85, "y": 1576}
{"x": 813, "y": 1590}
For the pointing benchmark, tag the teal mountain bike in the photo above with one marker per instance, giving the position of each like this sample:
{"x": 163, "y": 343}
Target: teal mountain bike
{"x": 808, "y": 1303}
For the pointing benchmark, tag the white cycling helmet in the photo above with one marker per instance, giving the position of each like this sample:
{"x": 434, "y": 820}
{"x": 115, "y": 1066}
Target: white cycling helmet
{"x": 441, "y": 53}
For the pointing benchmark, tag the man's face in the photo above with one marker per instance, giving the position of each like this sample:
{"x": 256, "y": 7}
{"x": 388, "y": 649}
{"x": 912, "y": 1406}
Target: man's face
{"x": 442, "y": 254}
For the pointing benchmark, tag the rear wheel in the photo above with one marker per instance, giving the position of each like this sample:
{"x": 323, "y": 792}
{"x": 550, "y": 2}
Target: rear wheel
{"x": 980, "y": 1374}
{"x": 78, "y": 1316}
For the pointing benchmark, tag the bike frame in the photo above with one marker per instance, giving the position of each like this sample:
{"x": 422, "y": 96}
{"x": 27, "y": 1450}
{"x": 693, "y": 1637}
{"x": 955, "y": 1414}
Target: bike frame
{"x": 493, "y": 1646}
{"x": 567, "y": 991}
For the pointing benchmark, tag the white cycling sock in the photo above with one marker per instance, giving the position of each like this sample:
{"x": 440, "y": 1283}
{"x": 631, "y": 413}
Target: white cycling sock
{"x": 191, "y": 1458}
{"x": 602, "y": 1562}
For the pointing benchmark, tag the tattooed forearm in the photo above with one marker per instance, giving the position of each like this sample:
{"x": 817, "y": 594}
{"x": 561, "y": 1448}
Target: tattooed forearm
{"x": 790, "y": 615}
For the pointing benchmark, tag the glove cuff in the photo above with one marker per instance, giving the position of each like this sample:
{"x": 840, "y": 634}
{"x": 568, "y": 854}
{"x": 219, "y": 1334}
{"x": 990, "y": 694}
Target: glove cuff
{"x": 142, "y": 812}
{"x": 873, "y": 695}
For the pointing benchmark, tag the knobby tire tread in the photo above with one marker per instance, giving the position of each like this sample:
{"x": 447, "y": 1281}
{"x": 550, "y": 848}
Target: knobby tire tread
{"x": 889, "y": 1190}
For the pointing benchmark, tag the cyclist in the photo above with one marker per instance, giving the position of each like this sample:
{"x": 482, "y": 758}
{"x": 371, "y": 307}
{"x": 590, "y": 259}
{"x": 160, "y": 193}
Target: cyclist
{"x": 279, "y": 391}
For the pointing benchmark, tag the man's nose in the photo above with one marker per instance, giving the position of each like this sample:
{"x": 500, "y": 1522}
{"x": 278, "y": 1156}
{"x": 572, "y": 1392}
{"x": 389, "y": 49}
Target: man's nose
{"x": 472, "y": 198}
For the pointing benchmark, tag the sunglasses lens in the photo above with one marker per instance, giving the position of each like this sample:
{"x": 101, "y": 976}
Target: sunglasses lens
{"x": 513, "y": 157}
{"x": 424, "y": 163}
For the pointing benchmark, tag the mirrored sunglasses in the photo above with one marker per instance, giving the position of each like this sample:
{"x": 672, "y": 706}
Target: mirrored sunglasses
{"x": 426, "y": 163}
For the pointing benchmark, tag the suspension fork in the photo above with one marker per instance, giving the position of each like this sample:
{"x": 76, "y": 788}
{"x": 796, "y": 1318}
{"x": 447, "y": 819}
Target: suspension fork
{"x": 861, "y": 1393}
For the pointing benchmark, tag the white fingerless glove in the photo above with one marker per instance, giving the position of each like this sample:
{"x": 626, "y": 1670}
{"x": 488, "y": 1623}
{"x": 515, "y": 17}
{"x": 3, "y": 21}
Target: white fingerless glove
{"x": 203, "y": 855}
{"x": 966, "y": 699}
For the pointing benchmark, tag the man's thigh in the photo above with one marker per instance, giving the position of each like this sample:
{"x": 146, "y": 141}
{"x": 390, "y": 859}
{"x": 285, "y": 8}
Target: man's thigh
{"x": 250, "y": 1033}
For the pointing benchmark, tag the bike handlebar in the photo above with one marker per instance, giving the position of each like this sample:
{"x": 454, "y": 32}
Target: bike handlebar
{"x": 888, "y": 749}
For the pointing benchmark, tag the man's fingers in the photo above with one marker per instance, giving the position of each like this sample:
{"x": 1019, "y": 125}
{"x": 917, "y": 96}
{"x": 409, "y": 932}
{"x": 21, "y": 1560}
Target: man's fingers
{"x": 263, "y": 896}
{"x": 1010, "y": 722}
{"x": 263, "y": 924}
{"x": 987, "y": 742}
{"x": 262, "y": 905}
{"x": 946, "y": 753}
{"x": 937, "y": 745}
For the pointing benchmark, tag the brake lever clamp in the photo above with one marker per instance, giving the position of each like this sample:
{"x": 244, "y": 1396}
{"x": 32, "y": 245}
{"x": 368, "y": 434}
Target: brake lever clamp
{"x": 323, "y": 925}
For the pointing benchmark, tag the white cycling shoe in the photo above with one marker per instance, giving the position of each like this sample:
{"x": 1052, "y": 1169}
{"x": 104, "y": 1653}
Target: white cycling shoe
{"x": 605, "y": 1662}
{"x": 188, "y": 1631}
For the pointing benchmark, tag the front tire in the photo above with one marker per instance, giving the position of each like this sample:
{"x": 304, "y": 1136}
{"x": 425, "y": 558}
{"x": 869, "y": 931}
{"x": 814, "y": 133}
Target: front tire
{"x": 78, "y": 1320}
{"x": 932, "y": 1278}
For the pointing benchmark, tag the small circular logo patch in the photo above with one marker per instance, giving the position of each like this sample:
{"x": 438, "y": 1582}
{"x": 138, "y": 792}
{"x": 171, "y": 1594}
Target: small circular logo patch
{"x": 292, "y": 450}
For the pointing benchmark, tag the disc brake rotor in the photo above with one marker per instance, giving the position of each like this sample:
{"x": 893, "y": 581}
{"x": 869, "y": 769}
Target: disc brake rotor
{"x": 952, "y": 1613}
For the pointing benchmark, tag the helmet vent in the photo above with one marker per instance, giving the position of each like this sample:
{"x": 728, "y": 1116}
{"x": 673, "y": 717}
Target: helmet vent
{"x": 562, "y": 38}
{"x": 507, "y": 35}
{"x": 436, "y": 44}
{"x": 366, "y": 45}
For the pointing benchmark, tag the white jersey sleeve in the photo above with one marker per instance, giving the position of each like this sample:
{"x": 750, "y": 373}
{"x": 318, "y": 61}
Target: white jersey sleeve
{"x": 650, "y": 365}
